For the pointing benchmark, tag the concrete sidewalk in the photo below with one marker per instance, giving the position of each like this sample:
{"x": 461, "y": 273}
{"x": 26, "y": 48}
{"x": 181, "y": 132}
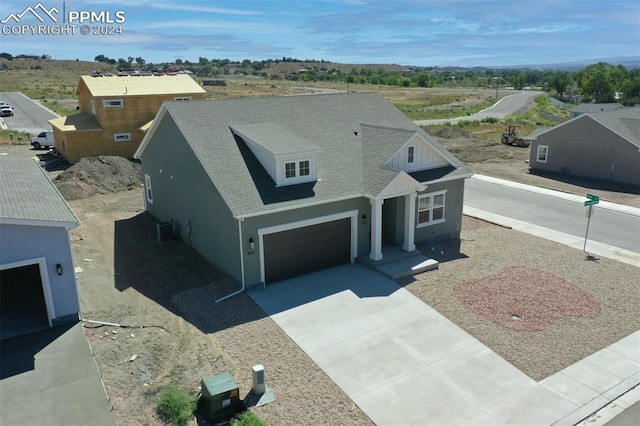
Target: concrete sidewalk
{"x": 50, "y": 378}
{"x": 404, "y": 363}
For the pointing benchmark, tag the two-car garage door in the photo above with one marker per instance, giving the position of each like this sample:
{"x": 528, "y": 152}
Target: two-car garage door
{"x": 305, "y": 249}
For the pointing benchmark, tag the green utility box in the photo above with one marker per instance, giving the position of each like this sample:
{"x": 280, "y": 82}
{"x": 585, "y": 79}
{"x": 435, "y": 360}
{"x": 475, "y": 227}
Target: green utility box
{"x": 220, "y": 398}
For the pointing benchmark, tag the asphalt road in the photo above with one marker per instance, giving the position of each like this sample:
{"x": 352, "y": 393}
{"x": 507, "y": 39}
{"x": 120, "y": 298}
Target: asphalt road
{"x": 607, "y": 226}
{"x": 28, "y": 115}
{"x": 508, "y": 105}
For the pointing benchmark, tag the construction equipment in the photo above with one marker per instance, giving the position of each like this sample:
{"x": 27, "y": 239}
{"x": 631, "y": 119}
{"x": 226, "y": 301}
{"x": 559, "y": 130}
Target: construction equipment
{"x": 511, "y": 137}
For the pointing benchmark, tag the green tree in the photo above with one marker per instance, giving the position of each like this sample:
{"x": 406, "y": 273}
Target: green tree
{"x": 596, "y": 83}
{"x": 560, "y": 82}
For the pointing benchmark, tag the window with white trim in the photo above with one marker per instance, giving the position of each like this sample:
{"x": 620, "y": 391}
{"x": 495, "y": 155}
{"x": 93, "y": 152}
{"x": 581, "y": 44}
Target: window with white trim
{"x": 304, "y": 168}
{"x": 182, "y": 98}
{"x": 431, "y": 208}
{"x": 122, "y": 137}
{"x": 289, "y": 170}
{"x": 543, "y": 151}
{"x": 147, "y": 188}
{"x": 93, "y": 106}
{"x": 410, "y": 154}
{"x": 112, "y": 103}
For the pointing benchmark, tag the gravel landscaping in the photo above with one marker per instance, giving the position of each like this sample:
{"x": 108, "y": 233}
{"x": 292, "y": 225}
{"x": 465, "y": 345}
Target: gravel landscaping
{"x": 569, "y": 307}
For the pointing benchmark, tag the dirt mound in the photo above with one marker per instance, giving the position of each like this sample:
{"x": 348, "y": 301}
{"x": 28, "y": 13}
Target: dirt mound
{"x": 98, "y": 175}
{"x": 450, "y": 132}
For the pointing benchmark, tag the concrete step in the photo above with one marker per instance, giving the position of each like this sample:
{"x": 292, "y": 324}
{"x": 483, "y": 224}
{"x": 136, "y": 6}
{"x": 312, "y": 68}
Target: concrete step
{"x": 407, "y": 267}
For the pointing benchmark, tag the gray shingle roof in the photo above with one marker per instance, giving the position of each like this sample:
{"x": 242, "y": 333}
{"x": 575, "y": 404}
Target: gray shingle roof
{"x": 28, "y": 195}
{"x": 349, "y": 162}
{"x": 625, "y": 122}
{"x": 591, "y": 108}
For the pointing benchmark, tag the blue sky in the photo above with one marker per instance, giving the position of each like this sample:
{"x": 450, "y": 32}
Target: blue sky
{"x": 406, "y": 32}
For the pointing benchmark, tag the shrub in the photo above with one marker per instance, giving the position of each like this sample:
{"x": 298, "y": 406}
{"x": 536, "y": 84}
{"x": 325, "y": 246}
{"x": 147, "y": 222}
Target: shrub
{"x": 177, "y": 406}
{"x": 247, "y": 418}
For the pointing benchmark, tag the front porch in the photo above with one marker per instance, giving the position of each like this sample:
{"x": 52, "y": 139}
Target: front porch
{"x": 398, "y": 263}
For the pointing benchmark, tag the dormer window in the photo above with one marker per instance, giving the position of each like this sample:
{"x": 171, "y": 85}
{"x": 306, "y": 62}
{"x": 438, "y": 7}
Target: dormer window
{"x": 290, "y": 170}
{"x": 288, "y": 158}
{"x": 304, "y": 168}
{"x": 410, "y": 153}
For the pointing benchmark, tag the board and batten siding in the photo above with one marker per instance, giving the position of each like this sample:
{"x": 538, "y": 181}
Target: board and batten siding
{"x": 424, "y": 157}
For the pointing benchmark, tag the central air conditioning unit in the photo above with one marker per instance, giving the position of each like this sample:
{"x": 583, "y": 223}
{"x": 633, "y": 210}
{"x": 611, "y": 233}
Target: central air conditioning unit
{"x": 220, "y": 399}
{"x": 165, "y": 232}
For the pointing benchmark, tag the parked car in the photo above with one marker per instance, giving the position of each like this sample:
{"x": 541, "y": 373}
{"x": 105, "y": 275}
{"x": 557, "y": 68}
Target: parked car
{"x": 6, "y": 111}
{"x": 44, "y": 140}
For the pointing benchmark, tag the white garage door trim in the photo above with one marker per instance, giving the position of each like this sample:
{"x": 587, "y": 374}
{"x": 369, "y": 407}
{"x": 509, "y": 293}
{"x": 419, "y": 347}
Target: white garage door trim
{"x": 352, "y": 214}
{"x": 44, "y": 276}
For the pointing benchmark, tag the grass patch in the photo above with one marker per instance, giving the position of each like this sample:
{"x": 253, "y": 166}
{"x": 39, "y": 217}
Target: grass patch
{"x": 430, "y": 111}
{"x": 5, "y": 137}
{"x": 248, "y": 418}
{"x": 177, "y": 406}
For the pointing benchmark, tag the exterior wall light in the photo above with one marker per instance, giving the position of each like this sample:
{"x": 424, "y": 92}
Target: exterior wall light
{"x": 365, "y": 219}
{"x": 252, "y": 244}
{"x": 59, "y": 268}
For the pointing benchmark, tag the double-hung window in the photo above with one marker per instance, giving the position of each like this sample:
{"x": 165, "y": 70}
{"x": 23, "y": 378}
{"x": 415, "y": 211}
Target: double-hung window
{"x": 543, "y": 151}
{"x": 431, "y": 208}
{"x": 410, "y": 154}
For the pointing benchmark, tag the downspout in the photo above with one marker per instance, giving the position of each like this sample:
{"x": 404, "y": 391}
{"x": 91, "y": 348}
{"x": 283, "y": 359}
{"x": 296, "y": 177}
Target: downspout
{"x": 241, "y": 264}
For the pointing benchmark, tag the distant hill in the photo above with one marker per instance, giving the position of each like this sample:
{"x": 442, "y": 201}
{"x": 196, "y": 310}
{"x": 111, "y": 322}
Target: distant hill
{"x": 626, "y": 61}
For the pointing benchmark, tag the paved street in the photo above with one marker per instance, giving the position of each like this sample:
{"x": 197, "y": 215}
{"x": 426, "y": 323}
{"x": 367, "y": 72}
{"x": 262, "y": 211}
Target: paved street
{"x": 505, "y": 106}
{"x": 28, "y": 116}
{"x": 566, "y": 214}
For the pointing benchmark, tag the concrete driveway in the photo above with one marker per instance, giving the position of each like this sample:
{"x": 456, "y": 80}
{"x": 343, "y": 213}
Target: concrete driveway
{"x": 405, "y": 364}
{"x": 51, "y": 378}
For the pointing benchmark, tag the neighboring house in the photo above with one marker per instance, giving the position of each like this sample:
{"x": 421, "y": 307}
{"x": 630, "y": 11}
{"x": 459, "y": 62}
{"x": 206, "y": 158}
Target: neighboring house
{"x": 604, "y": 145}
{"x": 593, "y": 108}
{"x": 271, "y": 188}
{"x": 37, "y": 277}
{"x": 116, "y": 111}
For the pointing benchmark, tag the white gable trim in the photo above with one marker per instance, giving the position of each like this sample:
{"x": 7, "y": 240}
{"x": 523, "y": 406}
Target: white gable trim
{"x": 402, "y": 184}
{"x": 425, "y": 156}
{"x": 35, "y": 222}
{"x": 147, "y": 137}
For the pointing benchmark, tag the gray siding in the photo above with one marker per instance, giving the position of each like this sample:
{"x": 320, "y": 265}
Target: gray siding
{"x": 184, "y": 195}
{"x": 450, "y": 228}
{"x": 22, "y": 242}
{"x": 584, "y": 147}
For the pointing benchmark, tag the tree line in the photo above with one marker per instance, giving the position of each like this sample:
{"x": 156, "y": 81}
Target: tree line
{"x": 601, "y": 82}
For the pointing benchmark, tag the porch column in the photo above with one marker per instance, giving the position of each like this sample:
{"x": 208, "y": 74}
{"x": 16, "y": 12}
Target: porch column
{"x": 409, "y": 222}
{"x": 376, "y": 230}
